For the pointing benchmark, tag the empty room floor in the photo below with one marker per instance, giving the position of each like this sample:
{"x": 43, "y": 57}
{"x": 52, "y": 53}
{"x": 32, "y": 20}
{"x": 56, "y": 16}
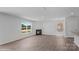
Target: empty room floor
{"x": 41, "y": 43}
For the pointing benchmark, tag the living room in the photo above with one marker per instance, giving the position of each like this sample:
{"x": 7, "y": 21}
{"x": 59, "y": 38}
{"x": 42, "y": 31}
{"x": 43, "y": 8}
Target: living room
{"x": 39, "y": 28}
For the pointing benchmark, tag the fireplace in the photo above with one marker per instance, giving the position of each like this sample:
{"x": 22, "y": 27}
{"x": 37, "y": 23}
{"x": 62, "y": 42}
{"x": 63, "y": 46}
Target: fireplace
{"x": 38, "y": 32}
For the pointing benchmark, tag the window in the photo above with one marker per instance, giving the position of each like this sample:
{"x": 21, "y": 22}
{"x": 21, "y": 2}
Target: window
{"x": 26, "y": 27}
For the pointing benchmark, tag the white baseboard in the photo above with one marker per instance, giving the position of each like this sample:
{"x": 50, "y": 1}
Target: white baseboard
{"x": 1, "y": 43}
{"x": 68, "y": 36}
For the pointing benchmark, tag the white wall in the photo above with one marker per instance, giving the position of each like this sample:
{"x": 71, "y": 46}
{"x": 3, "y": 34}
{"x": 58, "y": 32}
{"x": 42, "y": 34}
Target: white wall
{"x": 71, "y": 25}
{"x": 10, "y": 28}
{"x": 38, "y": 25}
{"x": 50, "y": 28}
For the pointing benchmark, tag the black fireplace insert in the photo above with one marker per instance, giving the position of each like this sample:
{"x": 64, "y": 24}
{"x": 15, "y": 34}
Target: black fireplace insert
{"x": 38, "y": 32}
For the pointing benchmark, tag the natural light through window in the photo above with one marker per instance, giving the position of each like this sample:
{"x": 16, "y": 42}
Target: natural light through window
{"x": 26, "y": 27}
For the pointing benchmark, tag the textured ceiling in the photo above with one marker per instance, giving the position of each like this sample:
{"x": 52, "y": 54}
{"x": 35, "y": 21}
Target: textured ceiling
{"x": 41, "y": 13}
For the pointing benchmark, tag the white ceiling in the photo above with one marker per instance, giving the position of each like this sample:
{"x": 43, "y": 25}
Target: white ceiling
{"x": 41, "y": 13}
